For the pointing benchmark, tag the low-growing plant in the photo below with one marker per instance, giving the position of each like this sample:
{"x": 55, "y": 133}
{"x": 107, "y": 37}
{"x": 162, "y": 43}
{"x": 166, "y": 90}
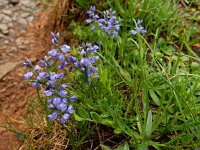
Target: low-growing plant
{"x": 125, "y": 77}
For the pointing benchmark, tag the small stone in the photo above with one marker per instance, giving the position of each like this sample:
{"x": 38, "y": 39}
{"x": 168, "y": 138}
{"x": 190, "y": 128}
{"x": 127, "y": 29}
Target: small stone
{"x": 30, "y": 19}
{"x": 3, "y": 27}
{"x": 5, "y": 32}
{"x": 10, "y": 25}
{"x": 11, "y": 31}
{"x": 6, "y": 42}
{"x": 7, "y": 19}
{"x": 7, "y": 12}
{"x": 22, "y": 21}
{"x": 7, "y": 67}
{"x": 1, "y": 36}
{"x": 14, "y": 2}
{"x": 24, "y": 15}
{"x": 14, "y": 18}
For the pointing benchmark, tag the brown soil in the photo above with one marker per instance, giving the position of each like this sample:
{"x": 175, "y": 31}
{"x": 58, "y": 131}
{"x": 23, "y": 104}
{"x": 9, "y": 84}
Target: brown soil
{"x": 14, "y": 91}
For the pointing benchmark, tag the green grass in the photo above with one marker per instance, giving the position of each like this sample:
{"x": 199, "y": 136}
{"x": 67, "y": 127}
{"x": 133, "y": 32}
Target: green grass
{"x": 148, "y": 90}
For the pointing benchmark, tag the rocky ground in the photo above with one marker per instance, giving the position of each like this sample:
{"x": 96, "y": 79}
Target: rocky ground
{"x": 15, "y": 15}
{"x": 20, "y": 27}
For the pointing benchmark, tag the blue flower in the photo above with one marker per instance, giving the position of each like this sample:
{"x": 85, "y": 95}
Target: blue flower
{"x": 53, "y": 116}
{"x": 73, "y": 98}
{"x": 70, "y": 109}
{"x": 62, "y": 93}
{"x": 53, "y": 52}
{"x": 63, "y": 86}
{"x": 48, "y": 92}
{"x": 36, "y": 68}
{"x": 27, "y": 63}
{"x": 71, "y": 59}
{"x": 36, "y": 85}
{"x": 28, "y": 75}
{"x": 85, "y": 61}
{"x": 55, "y": 38}
{"x": 63, "y": 107}
{"x": 64, "y": 118}
{"x": 139, "y": 28}
{"x": 65, "y": 48}
{"x": 60, "y": 57}
{"x": 56, "y": 101}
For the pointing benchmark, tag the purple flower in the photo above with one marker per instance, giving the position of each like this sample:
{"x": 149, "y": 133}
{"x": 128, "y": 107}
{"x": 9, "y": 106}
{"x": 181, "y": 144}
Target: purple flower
{"x": 53, "y": 116}
{"x": 36, "y": 68}
{"x": 94, "y": 59}
{"x": 89, "y": 21}
{"x": 62, "y": 93}
{"x": 28, "y": 75}
{"x": 64, "y": 118}
{"x": 139, "y": 28}
{"x": 56, "y": 101}
{"x": 73, "y": 98}
{"x": 65, "y": 48}
{"x": 134, "y": 32}
{"x": 71, "y": 59}
{"x": 70, "y": 109}
{"x": 64, "y": 100}
{"x": 60, "y": 57}
{"x": 48, "y": 92}
{"x": 94, "y": 70}
{"x": 85, "y": 61}
{"x": 93, "y": 49}
{"x": 63, "y": 86}
{"x": 62, "y": 65}
{"x": 41, "y": 76}
{"x": 36, "y": 85}
{"x": 53, "y": 52}
{"x": 63, "y": 107}
{"x": 55, "y": 38}
{"x": 27, "y": 63}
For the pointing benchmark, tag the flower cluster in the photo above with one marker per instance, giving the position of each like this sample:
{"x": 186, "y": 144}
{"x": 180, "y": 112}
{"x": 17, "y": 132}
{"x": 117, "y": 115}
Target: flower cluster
{"x": 108, "y": 23}
{"x": 139, "y": 28}
{"x": 53, "y": 83}
{"x": 86, "y": 63}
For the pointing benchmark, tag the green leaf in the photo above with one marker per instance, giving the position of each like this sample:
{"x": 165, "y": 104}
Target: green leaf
{"x": 154, "y": 97}
{"x": 83, "y": 113}
{"x": 123, "y": 147}
{"x": 104, "y": 147}
{"x": 77, "y": 118}
{"x": 149, "y": 124}
{"x": 95, "y": 117}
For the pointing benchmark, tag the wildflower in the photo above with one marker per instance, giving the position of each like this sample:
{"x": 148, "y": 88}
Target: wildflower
{"x": 28, "y": 75}
{"x": 53, "y": 52}
{"x": 55, "y": 38}
{"x": 63, "y": 107}
{"x": 36, "y": 68}
{"x": 64, "y": 118}
{"x": 53, "y": 116}
{"x": 56, "y": 101}
{"x": 63, "y": 86}
{"x": 73, "y": 98}
{"x": 70, "y": 109}
{"x": 62, "y": 93}
{"x": 71, "y": 59}
{"x": 139, "y": 28}
{"x": 92, "y": 15}
{"x": 48, "y": 92}
{"x": 65, "y": 48}
{"x": 46, "y": 63}
{"x": 27, "y": 63}
{"x": 36, "y": 85}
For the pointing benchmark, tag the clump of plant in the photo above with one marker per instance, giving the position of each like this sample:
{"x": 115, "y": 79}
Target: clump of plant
{"x": 120, "y": 80}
